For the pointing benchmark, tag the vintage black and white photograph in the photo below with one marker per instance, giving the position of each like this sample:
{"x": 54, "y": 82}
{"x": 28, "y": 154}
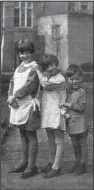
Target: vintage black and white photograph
{"x": 46, "y": 95}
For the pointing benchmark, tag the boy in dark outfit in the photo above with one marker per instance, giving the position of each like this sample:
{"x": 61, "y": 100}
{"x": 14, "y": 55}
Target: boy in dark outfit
{"x": 75, "y": 117}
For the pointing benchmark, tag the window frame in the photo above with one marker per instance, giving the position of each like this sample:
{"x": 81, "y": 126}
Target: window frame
{"x": 25, "y": 8}
{"x": 84, "y": 5}
{"x": 54, "y": 28}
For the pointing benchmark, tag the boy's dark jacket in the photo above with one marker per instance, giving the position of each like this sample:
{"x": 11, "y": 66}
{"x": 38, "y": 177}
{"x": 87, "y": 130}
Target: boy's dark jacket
{"x": 77, "y": 121}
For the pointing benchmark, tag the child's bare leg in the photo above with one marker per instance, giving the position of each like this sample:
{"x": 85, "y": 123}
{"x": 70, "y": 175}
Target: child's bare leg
{"x": 59, "y": 140}
{"x": 56, "y": 167}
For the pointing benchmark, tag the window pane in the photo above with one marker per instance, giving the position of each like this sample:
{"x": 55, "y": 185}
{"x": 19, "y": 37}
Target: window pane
{"x": 16, "y": 17}
{"x": 22, "y": 4}
{"x": 22, "y": 17}
{"x": 56, "y": 31}
{"x": 84, "y": 5}
{"x": 16, "y": 4}
{"x": 29, "y": 15}
{"x": 29, "y": 4}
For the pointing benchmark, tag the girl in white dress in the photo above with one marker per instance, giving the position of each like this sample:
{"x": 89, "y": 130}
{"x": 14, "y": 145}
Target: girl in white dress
{"x": 24, "y": 113}
{"x": 54, "y": 94}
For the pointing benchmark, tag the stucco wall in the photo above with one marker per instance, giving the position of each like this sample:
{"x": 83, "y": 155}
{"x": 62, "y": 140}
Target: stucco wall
{"x": 80, "y": 38}
{"x": 45, "y": 28}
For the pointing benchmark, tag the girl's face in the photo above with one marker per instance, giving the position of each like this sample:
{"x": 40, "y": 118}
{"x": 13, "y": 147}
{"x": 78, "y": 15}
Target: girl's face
{"x": 51, "y": 67}
{"x": 25, "y": 56}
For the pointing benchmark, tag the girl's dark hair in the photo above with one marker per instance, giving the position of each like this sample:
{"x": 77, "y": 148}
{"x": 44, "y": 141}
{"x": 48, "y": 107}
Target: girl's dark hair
{"x": 25, "y": 45}
{"x": 73, "y": 70}
{"x": 48, "y": 59}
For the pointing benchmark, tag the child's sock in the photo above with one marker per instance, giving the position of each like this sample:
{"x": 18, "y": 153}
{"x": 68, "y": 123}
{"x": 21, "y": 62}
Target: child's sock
{"x": 52, "y": 145}
{"x": 33, "y": 148}
{"x": 84, "y": 149}
{"x": 77, "y": 149}
{"x": 24, "y": 147}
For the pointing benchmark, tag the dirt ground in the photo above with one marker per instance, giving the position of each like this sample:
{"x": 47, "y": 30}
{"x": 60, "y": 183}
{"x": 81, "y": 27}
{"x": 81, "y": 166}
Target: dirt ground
{"x": 11, "y": 155}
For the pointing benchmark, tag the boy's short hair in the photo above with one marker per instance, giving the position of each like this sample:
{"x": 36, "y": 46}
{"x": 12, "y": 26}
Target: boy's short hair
{"x": 73, "y": 70}
{"x": 48, "y": 59}
{"x": 25, "y": 45}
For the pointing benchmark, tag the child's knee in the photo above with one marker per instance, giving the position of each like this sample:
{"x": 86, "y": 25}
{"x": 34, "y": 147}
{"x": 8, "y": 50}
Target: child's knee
{"x": 59, "y": 137}
{"x": 83, "y": 140}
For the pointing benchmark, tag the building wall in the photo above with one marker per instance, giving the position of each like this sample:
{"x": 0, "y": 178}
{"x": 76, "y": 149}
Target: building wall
{"x": 80, "y": 38}
{"x": 11, "y": 35}
{"x": 76, "y": 31}
{"x": 8, "y": 46}
{"x": 48, "y": 8}
{"x": 45, "y": 28}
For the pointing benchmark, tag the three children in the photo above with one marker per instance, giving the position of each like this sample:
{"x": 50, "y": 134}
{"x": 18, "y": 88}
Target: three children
{"x": 24, "y": 111}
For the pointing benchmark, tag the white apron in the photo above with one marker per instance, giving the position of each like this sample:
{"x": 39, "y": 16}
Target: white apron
{"x": 20, "y": 115}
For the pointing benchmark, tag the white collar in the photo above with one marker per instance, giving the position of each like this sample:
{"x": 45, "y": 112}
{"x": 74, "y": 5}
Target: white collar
{"x": 28, "y": 64}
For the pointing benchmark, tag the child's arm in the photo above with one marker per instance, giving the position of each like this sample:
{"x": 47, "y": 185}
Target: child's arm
{"x": 79, "y": 103}
{"x": 51, "y": 84}
{"x": 30, "y": 87}
{"x": 10, "y": 91}
{"x": 11, "y": 85}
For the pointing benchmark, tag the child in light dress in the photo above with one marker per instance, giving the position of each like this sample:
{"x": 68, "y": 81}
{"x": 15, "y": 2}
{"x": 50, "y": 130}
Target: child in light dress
{"x": 54, "y": 94}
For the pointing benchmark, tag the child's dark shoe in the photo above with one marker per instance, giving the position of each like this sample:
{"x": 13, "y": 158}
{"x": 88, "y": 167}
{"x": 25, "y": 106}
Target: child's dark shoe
{"x": 72, "y": 169}
{"x": 47, "y": 168}
{"x": 52, "y": 173}
{"x": 19, "y": 168}
{"x": 81, "y": 169}
{"x": 29, "y": 172}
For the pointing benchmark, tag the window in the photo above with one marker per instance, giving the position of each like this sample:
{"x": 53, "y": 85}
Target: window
{"x": 56, "y": 31}
{"x": 23, "y": 14}
{"x": 84, "y": 5}
{"x": 71, "y": 6}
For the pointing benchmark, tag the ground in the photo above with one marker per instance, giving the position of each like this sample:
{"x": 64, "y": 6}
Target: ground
{"x": 11, "y": 155}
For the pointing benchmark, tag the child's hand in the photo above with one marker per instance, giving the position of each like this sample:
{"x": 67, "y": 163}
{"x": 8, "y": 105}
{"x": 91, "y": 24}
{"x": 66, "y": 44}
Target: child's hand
{"x": 35, "y": 66}
{"x": 10, "y": 99}
{"x": 14, "y": 104}
{"x": 66, "y": 105}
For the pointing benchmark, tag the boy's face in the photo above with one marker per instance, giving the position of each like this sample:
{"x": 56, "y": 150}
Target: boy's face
{"x": 51, "y": 67}
{"x": 74, "y": 82}
{"x": 25, "y": 56}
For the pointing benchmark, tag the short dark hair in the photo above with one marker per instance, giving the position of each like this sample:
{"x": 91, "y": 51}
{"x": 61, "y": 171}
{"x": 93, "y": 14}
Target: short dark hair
{"x": 25, "y": 45}
{"x": 73, "y": 70}
{"x": 48, "y": 59}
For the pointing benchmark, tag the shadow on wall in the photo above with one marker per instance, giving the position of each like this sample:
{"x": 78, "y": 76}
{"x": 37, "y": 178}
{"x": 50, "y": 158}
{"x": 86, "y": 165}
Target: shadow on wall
{"x": 87, "y": 71}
